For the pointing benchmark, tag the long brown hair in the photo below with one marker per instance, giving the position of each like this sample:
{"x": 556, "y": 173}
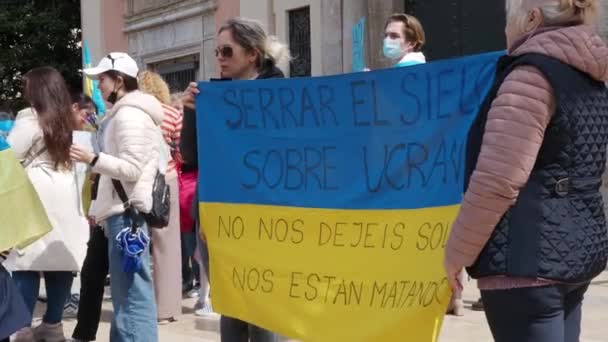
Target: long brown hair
{"x": 46, "y": 91}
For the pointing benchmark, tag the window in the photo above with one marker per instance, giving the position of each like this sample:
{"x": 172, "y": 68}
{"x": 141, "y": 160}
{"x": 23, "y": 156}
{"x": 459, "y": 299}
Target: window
{"x": 462, "y": 27}
{"x": 178, "y": 73}
{"x": 299, "y": 42}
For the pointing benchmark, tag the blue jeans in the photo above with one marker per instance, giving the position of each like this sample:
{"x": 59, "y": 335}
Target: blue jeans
{"x": 132, "y": 294}
{"x": 190, "y": 269}
{"x": 535, "y": 314}
{"x": 58, "y": 286}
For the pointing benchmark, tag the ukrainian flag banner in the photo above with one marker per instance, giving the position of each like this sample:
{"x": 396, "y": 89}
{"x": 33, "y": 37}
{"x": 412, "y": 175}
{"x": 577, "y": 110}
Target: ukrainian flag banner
{"x": 22, "y": 216}
{"x": 327, "y": 202}
{"x": 90, "y": 85}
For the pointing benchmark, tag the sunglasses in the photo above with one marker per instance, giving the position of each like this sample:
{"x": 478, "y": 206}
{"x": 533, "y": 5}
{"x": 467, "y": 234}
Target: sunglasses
{"x": 224, "y": 51}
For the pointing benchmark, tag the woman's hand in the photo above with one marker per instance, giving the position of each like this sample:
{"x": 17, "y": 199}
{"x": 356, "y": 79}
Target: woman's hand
{"x": 453, "y": 271}
{"x": 189, "y": 95}
{"x": 92, "y": 221}
{"x": 79, "y": 154}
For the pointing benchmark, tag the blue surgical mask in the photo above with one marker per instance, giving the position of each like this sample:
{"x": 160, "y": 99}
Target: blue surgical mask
{"x": 392, "y": 49}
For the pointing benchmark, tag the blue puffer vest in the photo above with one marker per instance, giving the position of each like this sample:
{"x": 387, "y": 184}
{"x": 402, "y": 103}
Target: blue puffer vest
{"x": 556, "y": 229}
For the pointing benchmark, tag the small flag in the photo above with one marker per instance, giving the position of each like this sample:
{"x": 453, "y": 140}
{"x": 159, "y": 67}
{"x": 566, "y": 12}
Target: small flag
{"x": 23, "y": 217}
{"x": 90, "y": 86}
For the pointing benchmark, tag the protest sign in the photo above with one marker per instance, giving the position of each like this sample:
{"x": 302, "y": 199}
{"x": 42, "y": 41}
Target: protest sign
{"x": 327, "y": 202}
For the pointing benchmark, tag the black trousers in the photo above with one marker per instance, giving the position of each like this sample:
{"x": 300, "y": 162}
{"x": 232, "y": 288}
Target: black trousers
{"x": 535, "y": 314}
{"x": 93, "y": 276}
{"x": 234, "y": 330}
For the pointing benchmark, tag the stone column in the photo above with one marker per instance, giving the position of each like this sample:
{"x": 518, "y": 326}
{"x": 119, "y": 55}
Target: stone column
{"x": 604, "y": 20}
{"x": 332, "y": 37}
{"x": 351, "y": 14}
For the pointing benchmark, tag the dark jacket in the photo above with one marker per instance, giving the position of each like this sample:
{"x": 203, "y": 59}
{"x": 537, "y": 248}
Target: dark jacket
{"x": 556, "y": 229}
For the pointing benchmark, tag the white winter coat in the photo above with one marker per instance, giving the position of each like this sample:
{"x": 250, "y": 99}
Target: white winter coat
{"x": 64, "y": 248}
{"x": 132, "y": 144}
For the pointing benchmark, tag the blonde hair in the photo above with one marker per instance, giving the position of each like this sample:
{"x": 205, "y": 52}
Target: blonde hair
{"x": 250, "y": 35}
{"x": 153, "y": 84}
{"x": 558, "y": 12}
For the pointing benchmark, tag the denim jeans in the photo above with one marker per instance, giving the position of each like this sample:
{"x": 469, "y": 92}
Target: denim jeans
{"x": 132, "y": 293}
{"x": 58, "y": 287}
{"x": 535, "y": 314}
{"x": 190, "y": 269}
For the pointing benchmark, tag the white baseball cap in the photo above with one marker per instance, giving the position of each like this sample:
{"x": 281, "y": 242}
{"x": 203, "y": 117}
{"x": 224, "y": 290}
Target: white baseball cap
{"x": 118, "y": 61}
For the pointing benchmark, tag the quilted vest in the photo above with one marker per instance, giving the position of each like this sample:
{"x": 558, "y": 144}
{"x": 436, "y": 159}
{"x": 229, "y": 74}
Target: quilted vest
{"x": 556, "y": 229}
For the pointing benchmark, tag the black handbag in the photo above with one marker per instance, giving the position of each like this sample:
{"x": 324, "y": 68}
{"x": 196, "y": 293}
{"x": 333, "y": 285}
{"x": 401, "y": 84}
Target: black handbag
{"x": 158, "y": 217}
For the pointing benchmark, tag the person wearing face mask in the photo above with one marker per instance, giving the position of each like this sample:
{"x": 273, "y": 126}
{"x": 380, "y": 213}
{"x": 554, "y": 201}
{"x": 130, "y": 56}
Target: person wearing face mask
{"x": 532, "y": 228}
{"x": 131, "y": 150}
{"x": 403, "y": 40}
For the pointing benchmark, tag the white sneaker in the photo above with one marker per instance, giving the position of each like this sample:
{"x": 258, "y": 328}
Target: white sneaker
{"x": 205, "y": 311}
{"x": 193, "y": 293}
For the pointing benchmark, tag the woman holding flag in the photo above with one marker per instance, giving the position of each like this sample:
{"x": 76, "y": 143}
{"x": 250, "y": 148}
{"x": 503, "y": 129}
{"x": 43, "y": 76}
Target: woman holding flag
{"x": 17, "y": 193}
{"x": 244, "y": 52}
{"x": 41, "y": 139}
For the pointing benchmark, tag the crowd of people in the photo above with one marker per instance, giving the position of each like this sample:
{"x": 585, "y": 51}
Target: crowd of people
{"x": 531, "y": 198}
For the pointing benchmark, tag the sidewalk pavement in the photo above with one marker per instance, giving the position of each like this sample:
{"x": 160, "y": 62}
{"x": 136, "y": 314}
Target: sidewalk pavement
{"x": 470, "y": 328}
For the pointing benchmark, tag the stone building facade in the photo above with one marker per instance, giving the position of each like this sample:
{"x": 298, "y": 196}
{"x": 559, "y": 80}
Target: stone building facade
{"x": 173, "y": 37}
{"x": 604, "y": 21}
{"x": 177, "y": 37}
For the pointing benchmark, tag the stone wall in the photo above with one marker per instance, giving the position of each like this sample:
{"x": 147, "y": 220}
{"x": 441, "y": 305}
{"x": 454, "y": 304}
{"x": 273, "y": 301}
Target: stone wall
{"x": 604, "y": 20}
{"x": 135, "y": 7}
{"x": 162, "y": 30}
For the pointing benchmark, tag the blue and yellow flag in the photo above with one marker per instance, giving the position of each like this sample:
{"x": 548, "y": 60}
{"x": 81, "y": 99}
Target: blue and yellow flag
{"x": 90, "y": 85}
{"x": 23, "y": 220}
{"x": 327, "y": 202}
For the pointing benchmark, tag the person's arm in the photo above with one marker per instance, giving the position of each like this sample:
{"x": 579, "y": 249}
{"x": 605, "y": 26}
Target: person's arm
{"x": 188, "y": 143}
{"x": 23, "y": 135}
{"x": 513, "y": 136}
{"x": 133, "y": 138}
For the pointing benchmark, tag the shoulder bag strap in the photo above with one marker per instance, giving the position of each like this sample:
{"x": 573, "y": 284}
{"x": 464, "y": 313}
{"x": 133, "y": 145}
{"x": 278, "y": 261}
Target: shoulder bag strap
{"x": 121, "y": 193}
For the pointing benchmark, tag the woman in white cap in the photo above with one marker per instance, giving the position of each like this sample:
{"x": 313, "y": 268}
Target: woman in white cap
{"x": 132, "y": 148}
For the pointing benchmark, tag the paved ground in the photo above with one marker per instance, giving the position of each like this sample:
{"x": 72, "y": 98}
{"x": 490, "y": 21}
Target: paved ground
{"x": 470, "y": 328}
